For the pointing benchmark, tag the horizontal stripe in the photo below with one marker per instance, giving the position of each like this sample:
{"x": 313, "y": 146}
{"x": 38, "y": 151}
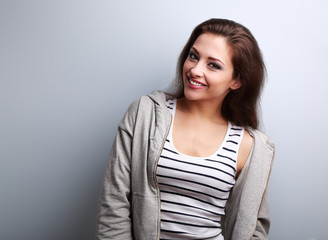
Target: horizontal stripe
{"x": 229, "y": 150}
{"x": 190, "y": 215}
{"x": 191, "y": 206}
{"x": 176, "y": 232}
{"x": 234, "y": 135}
{"x": 230, "y": 141}
{"x": 189, "y": 224}
{"x": 226, "y": 164}
{"x": 192, "y": 197}
{"x": 219, "y": 155}
{"x": 166, "y": 149}
{"x": 195, "y": 173}
{"x": 211, "y": 238}
{"x": 199, "y": 183}
{"x": 190, "y": 190}
{"x": 196, "y": 164}
{"x": 207, "y": 238}
{"x": 171, "y": 231}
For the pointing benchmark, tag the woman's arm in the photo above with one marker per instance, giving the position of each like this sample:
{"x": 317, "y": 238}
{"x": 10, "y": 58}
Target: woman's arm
{"x": 114, "y": 220}
{"x": 114, "y": 213}
{"x": 244, "y": 151}
{"x": 247, "y": 210}
{"x": 263, "y": 220}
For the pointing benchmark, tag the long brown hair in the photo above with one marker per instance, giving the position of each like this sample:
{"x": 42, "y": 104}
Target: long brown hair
{"x": 239, "y": 106}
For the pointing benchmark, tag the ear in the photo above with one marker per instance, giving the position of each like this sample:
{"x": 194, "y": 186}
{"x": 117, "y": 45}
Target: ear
{"x": 236, "y": 84}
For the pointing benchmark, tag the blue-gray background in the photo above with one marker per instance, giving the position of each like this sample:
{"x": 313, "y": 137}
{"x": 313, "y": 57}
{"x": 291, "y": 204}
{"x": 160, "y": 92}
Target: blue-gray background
{"x": 69, "y": 69}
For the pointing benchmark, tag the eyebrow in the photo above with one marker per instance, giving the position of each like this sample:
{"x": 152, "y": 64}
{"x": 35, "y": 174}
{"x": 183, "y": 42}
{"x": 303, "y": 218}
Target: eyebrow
{"x": 212, "y": 58}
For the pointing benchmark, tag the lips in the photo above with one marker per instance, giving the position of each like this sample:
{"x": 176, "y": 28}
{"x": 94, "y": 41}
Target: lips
{"x": 195, "y": 84}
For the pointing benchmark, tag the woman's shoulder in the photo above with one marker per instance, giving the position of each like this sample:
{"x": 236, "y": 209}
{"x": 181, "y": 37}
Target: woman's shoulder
{"x": 261, "y": 138}
{"x": 147, "y": 101}
{"x": 263, "y": 150}
{"x": 154, "y": 98}
{"x": 144, "y": 106}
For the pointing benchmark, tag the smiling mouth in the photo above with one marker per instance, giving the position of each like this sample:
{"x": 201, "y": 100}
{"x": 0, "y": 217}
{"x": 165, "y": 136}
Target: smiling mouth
{"x": 195, "y": 83}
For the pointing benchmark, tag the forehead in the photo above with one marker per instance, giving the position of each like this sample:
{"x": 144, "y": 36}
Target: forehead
{"x": 213, "y": 44}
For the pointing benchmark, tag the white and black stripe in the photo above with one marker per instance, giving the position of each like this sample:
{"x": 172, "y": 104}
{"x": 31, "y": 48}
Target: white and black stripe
{"x": 194, "y": 190}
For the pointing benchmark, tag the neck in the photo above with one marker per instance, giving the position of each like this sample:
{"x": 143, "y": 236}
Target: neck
{"x": 209, "y": 110}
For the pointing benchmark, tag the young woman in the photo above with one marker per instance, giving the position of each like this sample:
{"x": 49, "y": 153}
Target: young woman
{"x": 192, "y": 165}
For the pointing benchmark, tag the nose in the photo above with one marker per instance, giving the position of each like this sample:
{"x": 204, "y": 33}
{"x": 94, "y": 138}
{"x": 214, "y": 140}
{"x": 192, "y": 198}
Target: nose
{"x": 197, "y": 70}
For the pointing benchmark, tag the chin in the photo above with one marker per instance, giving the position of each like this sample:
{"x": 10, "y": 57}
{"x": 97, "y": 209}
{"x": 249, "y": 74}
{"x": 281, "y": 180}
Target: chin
{"x": 190, "y": 95}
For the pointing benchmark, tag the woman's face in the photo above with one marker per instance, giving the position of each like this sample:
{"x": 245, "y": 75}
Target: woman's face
{"x": 208, "y": 70}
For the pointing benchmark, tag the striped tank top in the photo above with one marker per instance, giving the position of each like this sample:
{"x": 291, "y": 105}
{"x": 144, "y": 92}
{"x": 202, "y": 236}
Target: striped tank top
{"x": 194, "y": 190}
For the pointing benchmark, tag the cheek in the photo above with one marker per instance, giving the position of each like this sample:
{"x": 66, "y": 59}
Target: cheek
{"x": 184, "y": 69}
{"x": 187, "y": 66}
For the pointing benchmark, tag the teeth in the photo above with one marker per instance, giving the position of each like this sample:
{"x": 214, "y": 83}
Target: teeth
{"x": 194, "y": 83}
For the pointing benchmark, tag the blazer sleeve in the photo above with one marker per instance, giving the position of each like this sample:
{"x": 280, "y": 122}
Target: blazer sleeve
{"x": 263, "y": 220}
{"x": 114, "y": 207}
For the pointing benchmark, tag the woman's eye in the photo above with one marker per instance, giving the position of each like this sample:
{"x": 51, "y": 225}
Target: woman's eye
{"x": 193, "y": 56}
{"x": 214, "y": 66}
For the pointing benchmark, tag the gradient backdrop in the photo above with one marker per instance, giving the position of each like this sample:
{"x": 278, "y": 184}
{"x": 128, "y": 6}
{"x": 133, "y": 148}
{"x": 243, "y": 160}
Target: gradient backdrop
{"x": 69, "y": 69}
